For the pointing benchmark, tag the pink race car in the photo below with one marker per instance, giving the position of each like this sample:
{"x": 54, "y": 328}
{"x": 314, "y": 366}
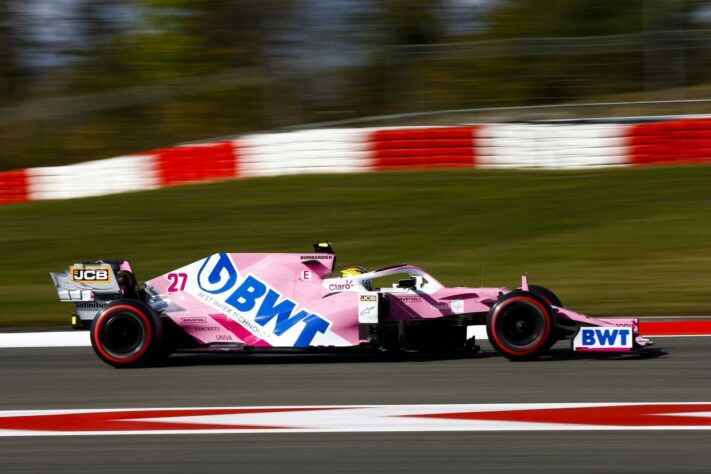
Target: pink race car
{"x": 259, "y": 301}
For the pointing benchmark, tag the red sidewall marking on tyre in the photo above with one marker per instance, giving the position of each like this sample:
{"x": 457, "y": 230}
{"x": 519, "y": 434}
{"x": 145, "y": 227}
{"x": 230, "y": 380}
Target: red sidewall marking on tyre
{"x": 532, "y": 349}
{"x": 102, "y": 321}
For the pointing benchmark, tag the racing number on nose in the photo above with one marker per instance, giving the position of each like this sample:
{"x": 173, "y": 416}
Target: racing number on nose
{"x": 177, "y": 281}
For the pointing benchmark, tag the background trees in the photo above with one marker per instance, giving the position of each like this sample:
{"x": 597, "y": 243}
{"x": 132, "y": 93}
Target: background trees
{"x": 87, "y": 79}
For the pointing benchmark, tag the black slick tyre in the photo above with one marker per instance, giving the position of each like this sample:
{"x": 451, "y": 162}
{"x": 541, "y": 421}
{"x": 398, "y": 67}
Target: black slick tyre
{"x": 127, "y": 333}
{"x": 521, "y": 325}
{"x": 550, "y": 297}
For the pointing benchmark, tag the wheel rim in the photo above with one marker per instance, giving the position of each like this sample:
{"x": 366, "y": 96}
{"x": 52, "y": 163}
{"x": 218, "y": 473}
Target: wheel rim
{"x": 520, "y": 326}
{"x": 123, "y": 335}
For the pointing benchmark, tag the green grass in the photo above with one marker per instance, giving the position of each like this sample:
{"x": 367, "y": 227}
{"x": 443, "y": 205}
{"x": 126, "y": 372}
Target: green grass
{"x": 621, "y": 241}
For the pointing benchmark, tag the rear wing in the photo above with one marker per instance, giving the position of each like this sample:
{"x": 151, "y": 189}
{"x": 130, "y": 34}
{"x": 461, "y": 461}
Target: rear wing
{"x": 90, "y": 286}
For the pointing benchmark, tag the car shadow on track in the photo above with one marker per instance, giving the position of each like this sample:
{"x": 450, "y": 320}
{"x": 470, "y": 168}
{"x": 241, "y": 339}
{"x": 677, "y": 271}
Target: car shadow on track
{"x": 566, "y": 354}
{"x": 181, "y": 360}
{"x": 554, "y": 355}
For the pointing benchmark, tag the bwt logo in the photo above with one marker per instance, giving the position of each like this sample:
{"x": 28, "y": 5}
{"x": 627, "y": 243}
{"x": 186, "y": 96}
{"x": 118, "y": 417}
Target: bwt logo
{"x": 219, "y": 276}
{"x": 604, "y": 339}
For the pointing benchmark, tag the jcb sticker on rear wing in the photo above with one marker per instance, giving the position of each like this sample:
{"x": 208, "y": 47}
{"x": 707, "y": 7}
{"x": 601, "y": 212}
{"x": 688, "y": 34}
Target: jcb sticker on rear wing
{"x": 90, "y": 273}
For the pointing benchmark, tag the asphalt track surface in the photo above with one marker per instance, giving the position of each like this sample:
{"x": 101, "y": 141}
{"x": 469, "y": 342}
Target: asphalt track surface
{"x": 56, "y": 378}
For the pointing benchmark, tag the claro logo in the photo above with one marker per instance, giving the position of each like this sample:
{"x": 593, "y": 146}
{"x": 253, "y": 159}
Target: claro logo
{"x": 256, "y": 300}
{"x": 347, "y": 285}
{"x": 91, "y": 274}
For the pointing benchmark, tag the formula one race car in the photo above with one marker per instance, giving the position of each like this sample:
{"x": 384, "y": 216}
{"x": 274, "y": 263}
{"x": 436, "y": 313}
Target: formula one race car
{"x": 257, "y": 301}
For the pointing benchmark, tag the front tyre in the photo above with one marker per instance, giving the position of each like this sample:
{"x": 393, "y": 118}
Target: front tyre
{"x": 550, "y": 297}
{"x": 127, "y": 333}
{"x": 521, "y": 325}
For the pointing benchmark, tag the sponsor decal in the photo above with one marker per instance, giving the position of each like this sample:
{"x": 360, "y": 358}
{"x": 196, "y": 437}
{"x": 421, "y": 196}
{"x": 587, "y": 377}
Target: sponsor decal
{"x": 305, "y": 275}
{"x": 457, "y": 306}
{"x": 367, "y": 311}
{"x": 90, "y": 274}
{"x": 603, "y": 339}
{"x": 223, "y": 337}
{"x": 255, "y": 304}
{"x": 320, "y": 256}
{"x": 201, "y": 328}
{"x": 193, "y": 320}
{"x": 410, "y": 299}
{"x": 624, "y": 325}
{"x": 346, "y": 285}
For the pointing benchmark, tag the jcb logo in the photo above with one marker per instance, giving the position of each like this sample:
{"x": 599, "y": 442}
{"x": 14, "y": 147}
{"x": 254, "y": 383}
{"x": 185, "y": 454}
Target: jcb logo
{"x": 91, "y": 274}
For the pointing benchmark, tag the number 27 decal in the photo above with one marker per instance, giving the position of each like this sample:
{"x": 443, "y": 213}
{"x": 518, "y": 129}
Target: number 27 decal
{"x": 177, "y": 281}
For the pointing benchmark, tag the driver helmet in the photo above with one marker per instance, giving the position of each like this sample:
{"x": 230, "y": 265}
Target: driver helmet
{"x": 356, "y": 270}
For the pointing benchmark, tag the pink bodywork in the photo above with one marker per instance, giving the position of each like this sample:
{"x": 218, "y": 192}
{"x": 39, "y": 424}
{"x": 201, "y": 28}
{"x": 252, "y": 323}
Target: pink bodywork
{"x": 291, "y": 300}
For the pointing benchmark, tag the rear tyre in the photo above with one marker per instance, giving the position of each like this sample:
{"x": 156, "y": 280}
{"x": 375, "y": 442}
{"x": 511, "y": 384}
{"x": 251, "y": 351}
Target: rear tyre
{"x": 550, "y": 297}
{"x": 127, "y": 333}
{"x": 521, "y": 325}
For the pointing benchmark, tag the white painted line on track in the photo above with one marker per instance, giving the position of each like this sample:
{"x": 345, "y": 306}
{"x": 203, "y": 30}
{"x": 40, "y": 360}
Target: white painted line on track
{"x": 45, "y": 339}
{"x": 354, "y": 419}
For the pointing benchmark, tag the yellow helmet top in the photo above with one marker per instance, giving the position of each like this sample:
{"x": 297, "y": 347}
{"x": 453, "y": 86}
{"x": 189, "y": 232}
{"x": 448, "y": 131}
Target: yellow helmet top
{"x": 353, "y": 271}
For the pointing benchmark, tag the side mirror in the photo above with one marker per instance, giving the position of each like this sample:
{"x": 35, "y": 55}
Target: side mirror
{"x": 407, "y": 283}
{"x": 323, "y": 247}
